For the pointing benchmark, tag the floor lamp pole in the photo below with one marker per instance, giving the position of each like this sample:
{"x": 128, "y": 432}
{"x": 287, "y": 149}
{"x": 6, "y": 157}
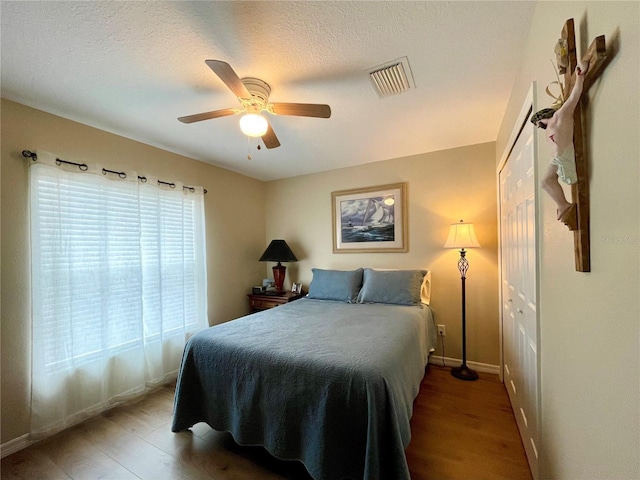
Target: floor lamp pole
{"x": 463, "y": 372}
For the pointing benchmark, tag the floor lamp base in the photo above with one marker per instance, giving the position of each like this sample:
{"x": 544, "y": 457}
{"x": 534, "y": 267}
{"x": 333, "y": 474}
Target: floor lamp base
{"x": 464, "y": 373}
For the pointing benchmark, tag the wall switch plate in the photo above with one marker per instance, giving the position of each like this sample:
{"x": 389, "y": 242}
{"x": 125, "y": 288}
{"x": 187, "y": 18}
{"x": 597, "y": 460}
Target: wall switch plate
{"x": 441, "y": 331}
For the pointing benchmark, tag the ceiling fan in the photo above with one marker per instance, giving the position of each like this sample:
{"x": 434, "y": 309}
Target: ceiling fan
{"x": 253, "y": 95}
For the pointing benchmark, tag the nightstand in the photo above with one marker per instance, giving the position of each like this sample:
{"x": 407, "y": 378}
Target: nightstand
{"x": 265, "y": 302}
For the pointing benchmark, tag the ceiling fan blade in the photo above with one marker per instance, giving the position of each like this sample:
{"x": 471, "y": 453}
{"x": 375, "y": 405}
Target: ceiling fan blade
{"x": 300, "y": 109}
{"x": 198, "y": 117}
{"x": 229, "y": 77}
{"x": 270, "y": 140}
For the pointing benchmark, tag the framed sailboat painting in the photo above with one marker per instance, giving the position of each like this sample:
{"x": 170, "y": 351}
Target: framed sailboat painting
{"x": 369, "y": 220}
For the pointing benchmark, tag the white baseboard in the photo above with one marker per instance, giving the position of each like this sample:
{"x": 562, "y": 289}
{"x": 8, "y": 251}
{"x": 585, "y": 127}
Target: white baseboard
{"x": 456, "y": 362}
{"x": 12, "y": 446}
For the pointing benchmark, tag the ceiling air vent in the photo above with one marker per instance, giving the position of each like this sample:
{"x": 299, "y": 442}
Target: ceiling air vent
{"x": 392, "y": 78}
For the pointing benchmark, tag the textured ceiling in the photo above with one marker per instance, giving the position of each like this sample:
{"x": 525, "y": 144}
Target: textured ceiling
{"x": 132, "y": 68}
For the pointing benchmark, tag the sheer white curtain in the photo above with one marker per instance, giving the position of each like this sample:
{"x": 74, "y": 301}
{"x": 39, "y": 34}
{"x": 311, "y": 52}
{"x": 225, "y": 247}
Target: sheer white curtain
{"x": 118, "y": 285}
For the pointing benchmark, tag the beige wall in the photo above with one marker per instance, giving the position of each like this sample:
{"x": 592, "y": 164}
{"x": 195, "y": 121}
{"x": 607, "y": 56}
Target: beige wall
{"x": 234, "y": 209}
{"x": 443, "y": 187}
{"x": 590, "y": 322}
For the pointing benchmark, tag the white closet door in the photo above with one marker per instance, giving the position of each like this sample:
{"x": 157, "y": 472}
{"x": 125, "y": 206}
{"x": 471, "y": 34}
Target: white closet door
{"x": 519, "y": 296}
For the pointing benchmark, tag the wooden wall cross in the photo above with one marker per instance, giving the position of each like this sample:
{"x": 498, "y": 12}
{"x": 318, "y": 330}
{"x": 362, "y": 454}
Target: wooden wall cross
{"x": 595, "y": 57}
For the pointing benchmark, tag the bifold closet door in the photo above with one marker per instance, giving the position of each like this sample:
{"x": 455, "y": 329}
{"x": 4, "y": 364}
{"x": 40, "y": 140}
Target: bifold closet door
{"x": 519, "y": 299}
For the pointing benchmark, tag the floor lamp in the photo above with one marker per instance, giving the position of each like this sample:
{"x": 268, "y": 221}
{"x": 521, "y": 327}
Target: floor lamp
{"x": 462, "y": 235}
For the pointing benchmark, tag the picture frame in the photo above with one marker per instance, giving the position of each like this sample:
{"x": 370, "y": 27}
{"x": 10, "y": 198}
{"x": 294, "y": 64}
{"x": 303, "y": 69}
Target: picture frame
{"x": 296, "y": 288}
{"x": 370, "y": 220}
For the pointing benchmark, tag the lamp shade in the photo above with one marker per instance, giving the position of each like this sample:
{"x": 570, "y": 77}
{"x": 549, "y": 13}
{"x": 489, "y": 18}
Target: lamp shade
{"x": 278, "y": 251}
{"x": 253, "y": 125}
{"x": 462, "y": 235}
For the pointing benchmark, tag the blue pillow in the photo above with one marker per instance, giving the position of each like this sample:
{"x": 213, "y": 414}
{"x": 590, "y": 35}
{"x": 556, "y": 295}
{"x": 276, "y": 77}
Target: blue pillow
{"x": 400, "y": 287}
{"x": 339, "y": 285}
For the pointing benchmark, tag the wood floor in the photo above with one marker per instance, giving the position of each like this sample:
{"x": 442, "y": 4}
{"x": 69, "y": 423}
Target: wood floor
{"x": 460, "y": 430}
{"x": 464, "y": 430}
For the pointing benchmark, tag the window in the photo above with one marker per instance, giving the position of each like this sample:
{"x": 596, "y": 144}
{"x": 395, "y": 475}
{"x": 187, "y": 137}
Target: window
{"x": 118, "y": 285}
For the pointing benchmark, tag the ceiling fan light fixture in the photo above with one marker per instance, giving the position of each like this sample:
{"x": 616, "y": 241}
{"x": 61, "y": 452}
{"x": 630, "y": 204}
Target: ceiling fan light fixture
{"x": 253, "y": 125}
{"x": 253, "y": 95}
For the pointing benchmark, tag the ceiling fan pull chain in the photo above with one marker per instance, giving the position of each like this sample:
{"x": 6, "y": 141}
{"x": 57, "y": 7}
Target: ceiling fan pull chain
{"x": 248, "y": 148}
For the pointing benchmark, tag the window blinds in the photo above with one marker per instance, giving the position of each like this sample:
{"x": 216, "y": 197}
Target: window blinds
{"x": 118, "y": 284}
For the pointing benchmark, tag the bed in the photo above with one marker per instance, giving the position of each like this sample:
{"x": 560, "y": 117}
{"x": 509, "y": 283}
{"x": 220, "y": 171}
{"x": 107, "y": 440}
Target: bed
{"x": 328, "y": 380}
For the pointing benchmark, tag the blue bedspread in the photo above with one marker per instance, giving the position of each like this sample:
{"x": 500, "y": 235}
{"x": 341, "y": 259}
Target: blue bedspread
{"x": 330, "y": 384}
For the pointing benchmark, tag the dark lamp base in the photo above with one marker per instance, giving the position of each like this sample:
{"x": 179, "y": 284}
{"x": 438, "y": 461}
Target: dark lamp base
{"x": 279, "y": 272}
{"x": 464, "y": 373}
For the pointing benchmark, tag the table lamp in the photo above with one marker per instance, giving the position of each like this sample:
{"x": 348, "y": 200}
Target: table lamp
{"x": 278, "y": 251}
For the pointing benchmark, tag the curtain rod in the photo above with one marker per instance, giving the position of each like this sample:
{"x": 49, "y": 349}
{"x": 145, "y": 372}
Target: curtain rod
{"x": 84, "y": 167}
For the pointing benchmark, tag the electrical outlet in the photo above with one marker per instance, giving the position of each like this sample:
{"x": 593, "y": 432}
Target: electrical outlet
{"x": 441, "y": 331}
